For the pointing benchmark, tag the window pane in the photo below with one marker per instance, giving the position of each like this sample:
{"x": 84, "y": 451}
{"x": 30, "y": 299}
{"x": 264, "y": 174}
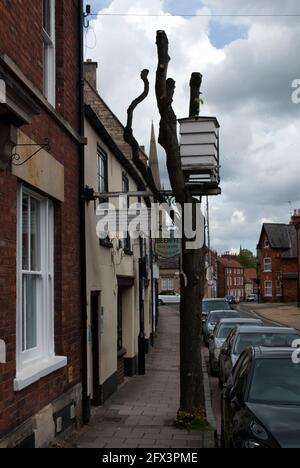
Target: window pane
{"x": 29, "y": 312}
{"x": 102, "y": 170}
{"x": 25, "y": 233}
{"x": 35, "y": 251}
{"x": 47, "y": 16}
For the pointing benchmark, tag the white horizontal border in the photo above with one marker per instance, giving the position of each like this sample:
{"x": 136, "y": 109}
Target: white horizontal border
{"x": 36, "y": 372}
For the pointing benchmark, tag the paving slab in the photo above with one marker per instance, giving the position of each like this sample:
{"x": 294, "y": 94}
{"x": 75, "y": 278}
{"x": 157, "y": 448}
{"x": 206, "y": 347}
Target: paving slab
{"x": 142, "y": 412}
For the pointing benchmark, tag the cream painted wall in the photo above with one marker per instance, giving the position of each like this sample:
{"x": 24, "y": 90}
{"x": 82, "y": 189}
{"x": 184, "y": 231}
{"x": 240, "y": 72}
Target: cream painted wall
{"x": 105, "y": 264}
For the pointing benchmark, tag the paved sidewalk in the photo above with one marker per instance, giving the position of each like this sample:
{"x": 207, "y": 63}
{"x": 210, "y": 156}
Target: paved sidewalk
{"x": 142, "y": 412}
{"x": 284, "y": 314}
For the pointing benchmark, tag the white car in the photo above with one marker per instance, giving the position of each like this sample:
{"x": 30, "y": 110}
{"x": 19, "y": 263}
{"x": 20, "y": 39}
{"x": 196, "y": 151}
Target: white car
{"x": 168, "y": 297}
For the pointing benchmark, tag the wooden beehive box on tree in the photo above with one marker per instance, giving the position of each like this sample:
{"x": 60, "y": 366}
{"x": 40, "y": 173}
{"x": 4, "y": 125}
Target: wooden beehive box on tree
{"x": 199, "y": 150}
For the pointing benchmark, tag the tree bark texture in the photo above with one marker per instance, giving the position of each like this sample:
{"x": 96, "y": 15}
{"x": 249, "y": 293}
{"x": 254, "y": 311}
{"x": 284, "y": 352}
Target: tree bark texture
{"x": 195, "y": 85}
{"x": 193, "y": 273}
{"x": 193, "y": 277}
{"x": 144, "y": 170}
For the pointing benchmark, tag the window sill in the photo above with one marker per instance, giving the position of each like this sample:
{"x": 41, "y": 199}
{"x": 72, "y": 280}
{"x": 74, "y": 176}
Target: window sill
{"x": 37, "y": 371}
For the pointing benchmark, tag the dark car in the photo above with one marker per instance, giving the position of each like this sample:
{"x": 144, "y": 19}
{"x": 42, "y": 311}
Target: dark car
{"x": 231, "y": 299}
{"x": 208, "y": 305}
{"x": 261, "y": 402}
{"x": 213, "y": 320}
{"x": 243, "y": 337}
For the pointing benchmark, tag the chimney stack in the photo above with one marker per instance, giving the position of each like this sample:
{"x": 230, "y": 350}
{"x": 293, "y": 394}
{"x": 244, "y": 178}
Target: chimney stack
{"x": 90, "y": 73}
{"x": 295, "y": 219}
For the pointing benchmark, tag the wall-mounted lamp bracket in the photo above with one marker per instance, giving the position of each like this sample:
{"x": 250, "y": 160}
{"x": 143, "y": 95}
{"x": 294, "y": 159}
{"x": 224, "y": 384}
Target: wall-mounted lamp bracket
{"x": 15, "y": 156}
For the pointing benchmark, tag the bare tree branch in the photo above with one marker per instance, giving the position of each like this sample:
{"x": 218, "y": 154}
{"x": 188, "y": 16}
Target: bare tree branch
{"x": 195, "y": 84}
{"x": 168, "y": 125}
{"x": 138, "y": 100}
{"x": 129, "y": 138}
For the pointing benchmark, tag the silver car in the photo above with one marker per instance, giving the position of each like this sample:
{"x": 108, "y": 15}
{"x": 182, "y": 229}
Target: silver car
{"x": 243, "y": 337}
{"x": 220, "y": 335}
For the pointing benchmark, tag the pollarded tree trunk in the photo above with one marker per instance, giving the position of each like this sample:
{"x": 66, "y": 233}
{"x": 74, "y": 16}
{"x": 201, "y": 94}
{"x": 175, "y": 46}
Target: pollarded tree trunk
{"x": 193, "y": 269}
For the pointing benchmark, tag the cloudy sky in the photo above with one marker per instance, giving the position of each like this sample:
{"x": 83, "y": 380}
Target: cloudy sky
{"x": 248, "y": 61}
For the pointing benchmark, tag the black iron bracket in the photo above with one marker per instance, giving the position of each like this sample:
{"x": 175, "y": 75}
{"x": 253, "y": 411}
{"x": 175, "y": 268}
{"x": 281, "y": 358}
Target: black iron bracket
{"x": 15, "y": 156}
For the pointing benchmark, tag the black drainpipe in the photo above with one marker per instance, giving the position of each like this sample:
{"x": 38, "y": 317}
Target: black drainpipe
{"x": 141, "y": 338}
{"x": 86, "y": 408}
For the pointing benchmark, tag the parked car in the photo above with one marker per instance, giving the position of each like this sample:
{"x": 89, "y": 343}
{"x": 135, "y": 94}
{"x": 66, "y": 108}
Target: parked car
{"x": 213, "y": 319}
{"x": 168, "y": 297}
{"x": 222, "y": 330}
{"x": 231, "y": 299}
{"x": 252, "y": 298}
{"x": 261, "y": 402}
{"x": 208, "y": 305}
{"x": 244, "y": 336}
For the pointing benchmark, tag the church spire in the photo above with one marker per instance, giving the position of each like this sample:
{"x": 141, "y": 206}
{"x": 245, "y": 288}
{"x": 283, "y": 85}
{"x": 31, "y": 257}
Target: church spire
{"x": 153, "y": 159}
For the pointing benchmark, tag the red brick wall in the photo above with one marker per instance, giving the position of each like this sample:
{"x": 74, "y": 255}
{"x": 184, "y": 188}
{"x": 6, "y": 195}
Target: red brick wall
{"x": 22, "y": 41}
{"x": 221, "y": 280}
{"x": 290, "y": 290}
{"x": 21, "y": 38}
{"x": 223, "y": 274}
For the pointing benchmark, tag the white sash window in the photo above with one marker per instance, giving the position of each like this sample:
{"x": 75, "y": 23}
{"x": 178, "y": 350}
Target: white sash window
{"x": 49, "y": 50}
{"x": 35, "y": 286}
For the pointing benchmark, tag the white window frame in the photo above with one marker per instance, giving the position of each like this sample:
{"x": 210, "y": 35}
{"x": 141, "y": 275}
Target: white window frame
{"x": 49, "y": 66}
{"x": 35, "y": 363}
{"x": 168, "y": 284}
{"x": 268, "y": 269}
{"x": 268, "y": 290}
{"x": 266, "y": 244}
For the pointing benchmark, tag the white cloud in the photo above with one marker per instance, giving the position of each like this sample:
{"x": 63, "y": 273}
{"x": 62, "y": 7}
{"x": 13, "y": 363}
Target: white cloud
{"x": 238, "y": 217}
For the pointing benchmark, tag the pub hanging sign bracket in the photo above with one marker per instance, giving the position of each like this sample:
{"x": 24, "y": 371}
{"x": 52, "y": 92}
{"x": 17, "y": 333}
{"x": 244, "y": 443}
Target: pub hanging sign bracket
{"x": 36, "y": 147}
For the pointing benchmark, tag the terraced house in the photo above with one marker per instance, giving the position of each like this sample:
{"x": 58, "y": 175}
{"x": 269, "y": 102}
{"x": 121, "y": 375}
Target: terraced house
{"x": 278, "y": 260}
{"x": 40, "y": 265}
{"x": 121, "y": 304}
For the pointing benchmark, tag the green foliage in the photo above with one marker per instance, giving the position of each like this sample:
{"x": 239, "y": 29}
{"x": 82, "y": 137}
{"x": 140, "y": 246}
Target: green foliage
{"x": 246, "y": 258}
{"x": 194, "y": 420}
